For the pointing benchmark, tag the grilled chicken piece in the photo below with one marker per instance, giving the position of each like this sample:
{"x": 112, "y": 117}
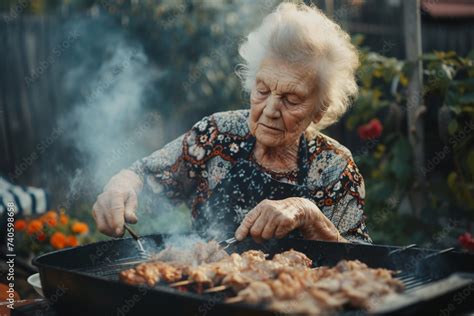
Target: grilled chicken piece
{"x": 327, "y": 300}
{"x": 202, "y": 274}
{"x": 293, "y": 258}
{"x": 152, "y": 272}
{"x": 130, "y": 276}
{"x": 257, "y": 292}
{"x": 241, "y": 279}
{"x": 252, "y": 256}
{"x": 303, "y": 304}
{"x": 350, "y": 265}
{"x": 170, "y": 273}
{"x": 213, "y": 273}
{"x": 329, "y": 285}
{"x": 286, "y": 286}
{"x": 254, "y": 271}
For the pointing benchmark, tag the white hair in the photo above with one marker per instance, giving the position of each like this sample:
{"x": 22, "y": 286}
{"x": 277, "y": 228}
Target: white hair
{"x": 298, "y": 33}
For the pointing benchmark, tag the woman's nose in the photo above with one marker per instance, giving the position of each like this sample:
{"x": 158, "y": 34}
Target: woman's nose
{"x": 272, "y": 106}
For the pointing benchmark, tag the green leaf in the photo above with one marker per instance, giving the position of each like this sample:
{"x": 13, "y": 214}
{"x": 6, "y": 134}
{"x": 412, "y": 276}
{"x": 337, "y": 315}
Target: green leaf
{"x": 471, "y": 54}
{"x": 452, "y": 127}
{"x": 380, "y": 190}
{"x": 467, "y": 83}
{"x": 452, "y": 181}
{"x": 448, "y": 71}
{"x": 400, "y": 164}
{"x": 429, "y": 57}
{"x": 467, "y": 98}
{"x": 467, "y": 109}
{"x": 358, "y": 39}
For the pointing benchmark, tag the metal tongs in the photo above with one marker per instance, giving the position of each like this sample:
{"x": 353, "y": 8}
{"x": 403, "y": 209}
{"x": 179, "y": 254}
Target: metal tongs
{"x": 226, "y": 243}
{"x": 135, "y": 236}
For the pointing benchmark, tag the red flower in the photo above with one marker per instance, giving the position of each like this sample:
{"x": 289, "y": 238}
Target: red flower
{"x": 20, "y": 225}
{"x": 466, "y": 241}
{"x": 41, "y": 236}
{"x": 373, "y": 129}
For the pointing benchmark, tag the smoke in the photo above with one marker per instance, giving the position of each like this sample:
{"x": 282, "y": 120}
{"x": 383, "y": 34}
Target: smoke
{"x": 110, "y": 82}
{"x": 112, "y": 75}
{"x": 109, "y": 122}
{"x": 182, "y": 242}
{"x": 111, "y": 87}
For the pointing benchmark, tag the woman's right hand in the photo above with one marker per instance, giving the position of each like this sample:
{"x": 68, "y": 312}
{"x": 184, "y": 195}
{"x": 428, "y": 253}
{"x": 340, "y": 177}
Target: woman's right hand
{"x": 117, "y": 204}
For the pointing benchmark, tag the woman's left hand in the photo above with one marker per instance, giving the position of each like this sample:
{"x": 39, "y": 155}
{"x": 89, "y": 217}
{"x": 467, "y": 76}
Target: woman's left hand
{"x": 276, "y": 218}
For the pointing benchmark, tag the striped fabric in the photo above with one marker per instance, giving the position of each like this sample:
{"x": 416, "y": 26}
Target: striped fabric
{"x": 28, "y": 200}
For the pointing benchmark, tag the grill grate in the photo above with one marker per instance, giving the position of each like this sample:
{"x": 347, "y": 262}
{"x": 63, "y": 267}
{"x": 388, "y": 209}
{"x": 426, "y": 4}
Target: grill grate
{"x": 413, "y": 282}
{"x": 110, "y": 271}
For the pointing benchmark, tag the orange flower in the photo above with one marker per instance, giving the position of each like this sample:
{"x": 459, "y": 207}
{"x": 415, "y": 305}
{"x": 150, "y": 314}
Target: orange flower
{"x": 71, "y": 241}
{"x": 34, "y": 227}
{"x": 51, "y": 221}
{"x": 80, "y": 228}
{"x": 63, "y": 218}
{"x": 58, "y": 240}
{"x": 49, "y": 214}
{"x": 20, "y": 225}
{"x": 52, "y": 213}
{"x": 50, "y": 218}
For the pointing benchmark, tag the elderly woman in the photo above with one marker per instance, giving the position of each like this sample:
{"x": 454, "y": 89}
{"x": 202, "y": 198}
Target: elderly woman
{"x": 266, "y": 171}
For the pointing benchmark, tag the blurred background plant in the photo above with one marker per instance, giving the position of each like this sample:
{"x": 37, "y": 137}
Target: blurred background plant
{"x": 385, "y": 157}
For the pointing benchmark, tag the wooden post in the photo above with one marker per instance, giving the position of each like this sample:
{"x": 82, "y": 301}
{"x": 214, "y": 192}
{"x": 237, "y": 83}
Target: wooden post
{"x": 329, "y": 6}
{"x": 415, "y": 107}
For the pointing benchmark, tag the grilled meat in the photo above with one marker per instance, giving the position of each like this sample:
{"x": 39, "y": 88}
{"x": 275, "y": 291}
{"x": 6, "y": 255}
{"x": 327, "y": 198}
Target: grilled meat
{"x": 285, "y": 284}
{"x": 293, "y": 258}
{"x": 151, "y": 272}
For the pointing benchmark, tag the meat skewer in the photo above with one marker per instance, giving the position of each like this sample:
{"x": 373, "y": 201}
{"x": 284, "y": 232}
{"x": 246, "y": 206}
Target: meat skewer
{"x": 286, "y": 283}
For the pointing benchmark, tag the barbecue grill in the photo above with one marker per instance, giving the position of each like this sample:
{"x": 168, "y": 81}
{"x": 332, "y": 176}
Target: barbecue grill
{"x": 84, "y": 280}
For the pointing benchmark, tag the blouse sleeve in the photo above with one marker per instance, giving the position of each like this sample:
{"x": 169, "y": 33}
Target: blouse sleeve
{"x": 174, "y": 170}
{"x": 347, "y": 210}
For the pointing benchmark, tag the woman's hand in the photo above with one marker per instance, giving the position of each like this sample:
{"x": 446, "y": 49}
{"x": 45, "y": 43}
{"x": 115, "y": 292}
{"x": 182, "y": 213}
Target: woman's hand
{"x": 117, "y": 204}
{"x": 276, "y": 218}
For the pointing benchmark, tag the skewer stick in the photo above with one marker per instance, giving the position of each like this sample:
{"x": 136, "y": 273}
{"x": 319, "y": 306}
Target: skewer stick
{"x": 235, "y": 299}
{"x": 181, "y": 283}
{"x": 217, "y": 289}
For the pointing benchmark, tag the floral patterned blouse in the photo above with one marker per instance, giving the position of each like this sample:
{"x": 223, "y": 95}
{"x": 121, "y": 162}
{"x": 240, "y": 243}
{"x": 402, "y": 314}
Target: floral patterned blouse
{"x": 189, "y": 168}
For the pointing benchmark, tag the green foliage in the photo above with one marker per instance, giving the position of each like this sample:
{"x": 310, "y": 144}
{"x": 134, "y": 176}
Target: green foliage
{"x": 388, "y": 167}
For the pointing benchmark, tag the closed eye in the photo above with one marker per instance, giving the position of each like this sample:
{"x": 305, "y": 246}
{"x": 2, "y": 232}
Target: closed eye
{"x": 292, "y": 103}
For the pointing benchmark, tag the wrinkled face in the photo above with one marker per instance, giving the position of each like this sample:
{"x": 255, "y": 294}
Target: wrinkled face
{"x": 283, "y": 103}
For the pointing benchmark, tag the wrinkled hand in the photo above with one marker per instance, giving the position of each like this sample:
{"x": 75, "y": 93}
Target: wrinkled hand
{"x": 276, "y": 218}
{"x": 117, "y": 204}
